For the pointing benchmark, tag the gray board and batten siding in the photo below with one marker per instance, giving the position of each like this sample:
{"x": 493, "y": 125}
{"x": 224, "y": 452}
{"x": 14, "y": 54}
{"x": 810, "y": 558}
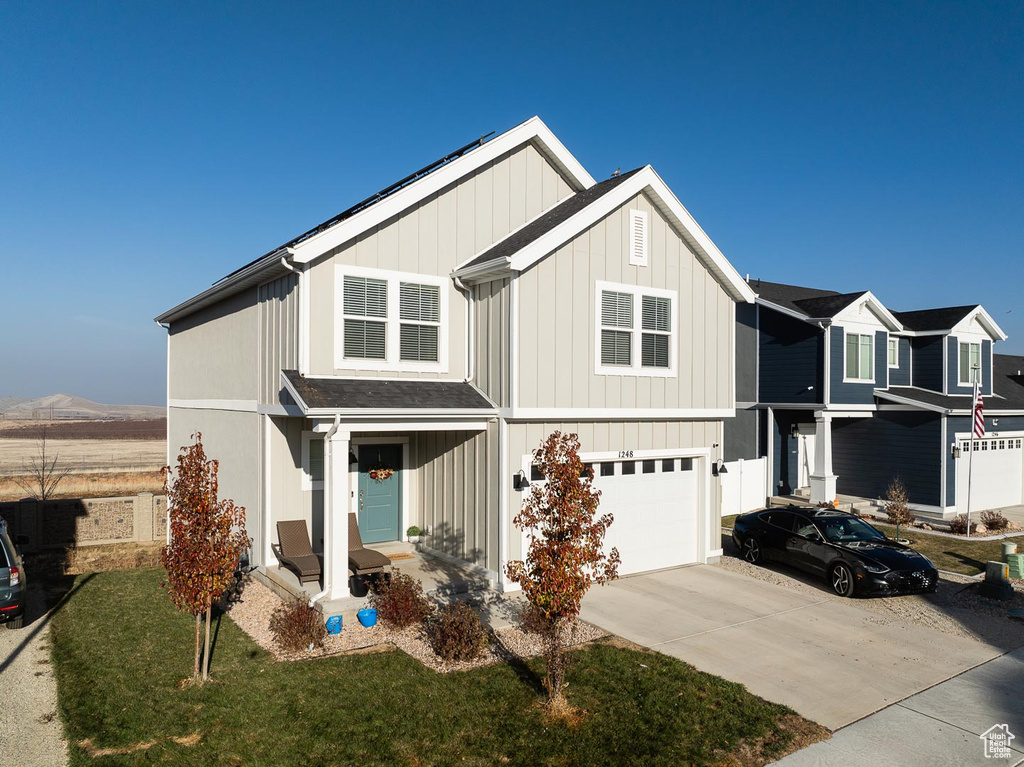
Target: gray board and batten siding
{"x": 900, "y": 376}
{"x": 214, "y": 351}
{"x": 927, "y": 366}
{"x": 279, "y": 334}
{"x": 492, "y": 310}
{"x": 557, "y": 322}
{"x": 850, "y": 392}
{"x": 791, "y": 360}
{"x": 953, "y": 368}
{"x": 746, "y": 352}
{"x": 432, "y": 238}
{"x": 867, "y": 453}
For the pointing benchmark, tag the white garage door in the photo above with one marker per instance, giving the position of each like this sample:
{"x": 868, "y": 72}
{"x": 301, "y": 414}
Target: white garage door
{"x": 656, "y": 511}
{"x": 997, "y": 477}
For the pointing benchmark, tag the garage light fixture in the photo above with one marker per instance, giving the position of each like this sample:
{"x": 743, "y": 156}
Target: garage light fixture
{"x": 718, "y": 467}
{"x": 519, "y": 481}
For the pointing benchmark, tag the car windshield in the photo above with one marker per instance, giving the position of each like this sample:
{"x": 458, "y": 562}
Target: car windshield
{"x": 848, "y": 529}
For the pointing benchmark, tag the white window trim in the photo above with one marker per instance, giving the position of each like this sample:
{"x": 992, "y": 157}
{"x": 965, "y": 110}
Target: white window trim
{"x": 639, "y": 259}
{"x": 846, "y": 337}
{"x": 636, "y": 332}
{"x": 897, "y": 342}
{"x": 959, "y": 346}
{"x": 392, "y": 361}
{"x": 307, "y": 477}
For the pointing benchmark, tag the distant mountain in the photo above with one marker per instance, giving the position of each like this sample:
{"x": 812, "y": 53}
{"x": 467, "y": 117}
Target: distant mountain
{"x": 68, "y": 407}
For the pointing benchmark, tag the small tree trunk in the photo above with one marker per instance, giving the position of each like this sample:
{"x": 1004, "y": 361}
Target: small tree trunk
{"x": 556, "y": 661}
{"x": 195, "y": 666}
{"x": 206, "y": 650}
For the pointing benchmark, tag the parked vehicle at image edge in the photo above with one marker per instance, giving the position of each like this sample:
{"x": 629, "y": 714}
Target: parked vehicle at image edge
{"x": 852, "y": 555}
{"x": 12, "y": 580}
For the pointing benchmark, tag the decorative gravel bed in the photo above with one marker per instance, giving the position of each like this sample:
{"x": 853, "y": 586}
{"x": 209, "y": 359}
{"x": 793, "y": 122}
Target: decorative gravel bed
{"x": 955, "y": 608}
{"x": 257, "y": 603}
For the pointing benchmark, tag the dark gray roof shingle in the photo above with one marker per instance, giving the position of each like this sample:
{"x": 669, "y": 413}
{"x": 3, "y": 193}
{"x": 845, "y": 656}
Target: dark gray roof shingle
{"x": 934, "y": 319}
{"x": 548, "y": 221}
{"x": 1008, "y": 378}
{"x": 379, "y": 394}
{"x": 811, "y": 302}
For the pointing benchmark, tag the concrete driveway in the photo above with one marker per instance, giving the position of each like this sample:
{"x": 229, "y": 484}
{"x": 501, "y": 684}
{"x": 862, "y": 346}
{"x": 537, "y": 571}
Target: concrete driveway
{"x": 829, "y": 660}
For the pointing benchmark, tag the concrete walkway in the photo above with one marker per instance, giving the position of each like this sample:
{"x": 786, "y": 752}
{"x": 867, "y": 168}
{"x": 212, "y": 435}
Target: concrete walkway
{"x": 941, "y": 725}
{"x": 832, "y": 662}
{"x": 30, "y": 729}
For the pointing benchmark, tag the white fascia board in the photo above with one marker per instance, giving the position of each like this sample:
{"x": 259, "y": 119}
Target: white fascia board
{"x": 878, "y": 309}
{"x": 384, "y": 414}
{"x": 887, "y": 395}
{"x": 985, "y": 319}
{"x": 645, "y": 180}
{"x": 494, "y": 269}
{"x": 533, "y": 130}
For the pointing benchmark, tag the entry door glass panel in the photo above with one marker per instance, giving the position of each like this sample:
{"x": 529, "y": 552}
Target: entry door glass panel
{"x": 380, "y": 501}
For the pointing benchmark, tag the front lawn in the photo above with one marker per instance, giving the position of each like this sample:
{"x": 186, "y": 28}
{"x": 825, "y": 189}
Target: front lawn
{"x": 120, "y": 651}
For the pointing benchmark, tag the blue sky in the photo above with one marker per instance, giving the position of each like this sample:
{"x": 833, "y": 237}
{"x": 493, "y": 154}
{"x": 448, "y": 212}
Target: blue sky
{"x": 148, "y": 149}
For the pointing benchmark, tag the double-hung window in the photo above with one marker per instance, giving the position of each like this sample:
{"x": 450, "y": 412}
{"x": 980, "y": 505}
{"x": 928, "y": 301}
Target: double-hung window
{"x": 970, "y": 363}
{"x": 635, "y": 330}
{"x": 860, "y": 357}
{"x": 894, "y": 353}
{"x": 390, "y": 321}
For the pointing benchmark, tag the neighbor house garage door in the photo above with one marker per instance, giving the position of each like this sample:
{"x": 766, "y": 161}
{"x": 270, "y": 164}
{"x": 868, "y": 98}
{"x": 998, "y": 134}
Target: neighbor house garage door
{"x": 997, "y": 477}
{"x": 655, "y": 504}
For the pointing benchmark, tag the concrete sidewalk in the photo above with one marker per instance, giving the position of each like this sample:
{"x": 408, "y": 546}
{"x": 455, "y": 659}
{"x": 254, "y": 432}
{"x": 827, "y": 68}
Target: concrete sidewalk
{"x": 941, "y": 725}
{"x": 832, "y": 662}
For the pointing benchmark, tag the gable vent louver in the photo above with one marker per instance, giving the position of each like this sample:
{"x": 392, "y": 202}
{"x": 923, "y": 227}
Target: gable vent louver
{"x": 637, "y": 238}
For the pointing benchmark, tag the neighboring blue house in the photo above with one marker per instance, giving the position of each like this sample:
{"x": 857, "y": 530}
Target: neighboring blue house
{"x": 841, "y": 394}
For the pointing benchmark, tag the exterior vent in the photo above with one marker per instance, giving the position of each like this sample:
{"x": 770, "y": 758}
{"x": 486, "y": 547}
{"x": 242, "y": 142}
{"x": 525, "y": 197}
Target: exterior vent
{"x": 637, "y": 238}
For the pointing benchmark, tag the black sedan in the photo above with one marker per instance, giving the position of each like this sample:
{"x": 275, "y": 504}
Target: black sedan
{"x": 852, "y": 555}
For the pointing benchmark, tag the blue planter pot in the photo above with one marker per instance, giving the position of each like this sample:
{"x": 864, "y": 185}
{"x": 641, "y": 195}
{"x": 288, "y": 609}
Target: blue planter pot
{"x": 367, "y": 617}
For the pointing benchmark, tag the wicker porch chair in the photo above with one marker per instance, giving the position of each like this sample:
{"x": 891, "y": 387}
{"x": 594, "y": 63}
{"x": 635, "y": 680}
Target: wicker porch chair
{"x": 361, "y": 560}
{"x": 294, "y": 550}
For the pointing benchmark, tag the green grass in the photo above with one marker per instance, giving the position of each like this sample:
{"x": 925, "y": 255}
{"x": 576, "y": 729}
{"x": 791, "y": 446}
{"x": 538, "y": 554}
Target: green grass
{"x": 120, "y": 649}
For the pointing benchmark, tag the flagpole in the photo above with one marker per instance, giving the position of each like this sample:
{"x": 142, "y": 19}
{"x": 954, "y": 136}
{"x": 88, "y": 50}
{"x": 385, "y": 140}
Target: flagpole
{"x": 970, "y": 461}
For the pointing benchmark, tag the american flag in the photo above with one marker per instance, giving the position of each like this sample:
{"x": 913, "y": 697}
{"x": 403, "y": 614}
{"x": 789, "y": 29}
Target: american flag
{"x": 979, "y": 413}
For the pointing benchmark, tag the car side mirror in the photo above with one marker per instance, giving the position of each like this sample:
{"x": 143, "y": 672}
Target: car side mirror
{"x": 814, "y": 537}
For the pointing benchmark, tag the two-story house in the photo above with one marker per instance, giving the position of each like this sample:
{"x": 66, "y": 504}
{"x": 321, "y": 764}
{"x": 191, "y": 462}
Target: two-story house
{"x": 842, "y": 395}
{"x": 403, "y": 359}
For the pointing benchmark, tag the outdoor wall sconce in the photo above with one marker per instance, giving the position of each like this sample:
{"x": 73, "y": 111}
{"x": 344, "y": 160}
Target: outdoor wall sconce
{"x": 519, "y": 480}
{"x": 718, "y": 467}
{"x": 955, "y": 451}
{"x": 794, "y": 430}
{"x": 353, "y": 462}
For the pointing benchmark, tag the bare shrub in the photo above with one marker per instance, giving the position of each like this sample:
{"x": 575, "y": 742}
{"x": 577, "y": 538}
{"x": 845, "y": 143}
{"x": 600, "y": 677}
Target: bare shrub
{"x": 297, "y": 626}
{"x": 897, "y": 507}
{"x": 456, "y": 633}
{"x": 958, "y": 525}
{"x": 994, "y": 521}
{"x": 399, "y": 600}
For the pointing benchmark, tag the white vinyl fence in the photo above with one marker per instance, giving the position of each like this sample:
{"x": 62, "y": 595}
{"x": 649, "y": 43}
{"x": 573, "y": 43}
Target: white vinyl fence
{"x": 744, "y": 485}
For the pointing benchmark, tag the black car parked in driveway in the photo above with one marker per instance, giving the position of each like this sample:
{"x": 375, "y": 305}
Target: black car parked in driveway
{"x": 12, "y": 580}
{"x": 852, "y": 555}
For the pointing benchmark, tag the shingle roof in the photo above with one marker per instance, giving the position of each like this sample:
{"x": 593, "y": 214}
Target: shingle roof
{"x": 934, "y": 319}
{"x": 544, "y": 223}
{"x": 1008, "y": 388}
{"x": 378, "y": 394}
{"x": 927, "y": 397}
{"x": 1008, "y": 378}
{"x": 811, "y": 302}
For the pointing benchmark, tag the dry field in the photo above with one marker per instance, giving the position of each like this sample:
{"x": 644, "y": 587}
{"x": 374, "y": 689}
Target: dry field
{"x": 106, "y": 458}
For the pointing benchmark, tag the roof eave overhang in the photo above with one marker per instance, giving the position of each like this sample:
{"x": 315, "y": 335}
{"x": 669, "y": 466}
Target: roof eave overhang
{"x": 986, "y": 321}
{"x": 878, "y": 309}
{"x": 248, "y": 277}
{"x": 794, "y": 314}
{"x": 489, "y": 270}
{"x": 890, "y": 397}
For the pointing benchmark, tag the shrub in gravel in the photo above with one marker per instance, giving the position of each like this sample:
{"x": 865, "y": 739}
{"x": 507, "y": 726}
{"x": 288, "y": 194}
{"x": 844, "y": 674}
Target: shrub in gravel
{"x": 958, "y": 525}
{"x": 296, "y": 626}
{"x": 456, "y": 633}
{"x": 399, "y": 600}
{"x": 994, "y": 521}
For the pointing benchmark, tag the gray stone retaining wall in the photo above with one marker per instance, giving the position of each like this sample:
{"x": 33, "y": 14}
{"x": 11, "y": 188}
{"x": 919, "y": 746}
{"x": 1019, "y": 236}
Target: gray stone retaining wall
{"x": 87, "y": 521}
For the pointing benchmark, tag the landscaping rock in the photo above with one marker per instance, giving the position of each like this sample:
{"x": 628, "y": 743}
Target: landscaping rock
{"x": 926, "y": 526}
{"x": 981, "y": 529}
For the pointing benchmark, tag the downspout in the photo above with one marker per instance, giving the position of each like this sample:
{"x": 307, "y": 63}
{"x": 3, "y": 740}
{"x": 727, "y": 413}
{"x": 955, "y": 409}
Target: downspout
{"x": 470, "y": 326}
{"x": 167, "y": 416}
{"x": 328, "y": 507}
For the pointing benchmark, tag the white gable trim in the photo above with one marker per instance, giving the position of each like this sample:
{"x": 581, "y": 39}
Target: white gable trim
{"x": 986, "y": 321}
{"x": 885, "y": 317}
{"x": 646, "y": 179}
{"x": 533, "y": 130}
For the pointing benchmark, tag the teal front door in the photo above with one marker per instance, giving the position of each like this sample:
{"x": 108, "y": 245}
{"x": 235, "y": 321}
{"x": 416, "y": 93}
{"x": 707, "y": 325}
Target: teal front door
{"x": 380, "y": 501}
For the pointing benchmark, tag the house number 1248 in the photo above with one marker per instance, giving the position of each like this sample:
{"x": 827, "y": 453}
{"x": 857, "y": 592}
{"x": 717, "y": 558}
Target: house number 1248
{"x": 625, "y": 454}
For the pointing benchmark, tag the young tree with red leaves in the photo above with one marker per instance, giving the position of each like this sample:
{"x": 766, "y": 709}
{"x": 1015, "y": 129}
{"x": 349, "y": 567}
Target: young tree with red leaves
{"x": 207, "y": 539}
{"x": 565, "y": 556}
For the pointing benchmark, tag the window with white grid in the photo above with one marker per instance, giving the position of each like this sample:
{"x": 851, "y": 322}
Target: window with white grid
{"x": 636, "y": 330}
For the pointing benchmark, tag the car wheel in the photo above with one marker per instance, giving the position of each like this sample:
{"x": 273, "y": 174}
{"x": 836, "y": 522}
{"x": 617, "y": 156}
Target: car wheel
{"x": 841, "y": 579}
{"x": 16, "y": 623}
{"x": 752, "y": 551}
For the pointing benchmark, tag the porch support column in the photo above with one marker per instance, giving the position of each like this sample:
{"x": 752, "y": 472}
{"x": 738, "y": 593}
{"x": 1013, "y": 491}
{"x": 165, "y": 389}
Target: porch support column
{"x": 336, "y": 517}
{"x": 823, "y": 481}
